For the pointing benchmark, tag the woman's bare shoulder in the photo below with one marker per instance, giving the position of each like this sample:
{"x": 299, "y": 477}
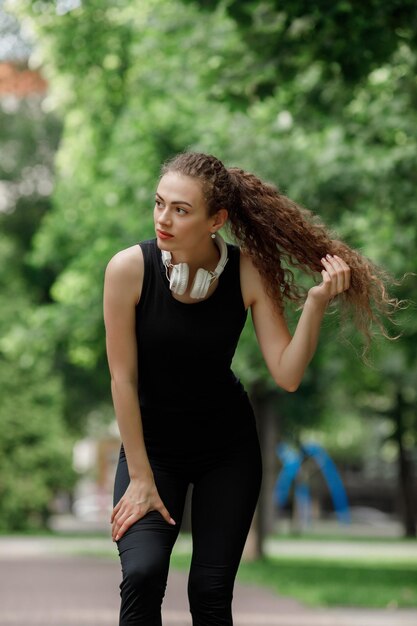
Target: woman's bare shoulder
{"x": 127, "y": 260}
{"x": 124, "y": 271}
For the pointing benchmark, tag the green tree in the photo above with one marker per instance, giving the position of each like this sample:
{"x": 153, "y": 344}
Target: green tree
{"x": 35, "y": 448}
{"x": 146, "y": 79}
{"x": 346, "y": 40}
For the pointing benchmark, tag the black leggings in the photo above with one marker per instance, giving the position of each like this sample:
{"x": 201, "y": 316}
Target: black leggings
{"x": 226, "y": 484}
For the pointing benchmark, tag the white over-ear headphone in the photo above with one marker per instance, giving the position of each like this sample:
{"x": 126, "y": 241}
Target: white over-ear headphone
{"x": 178, "y": 280}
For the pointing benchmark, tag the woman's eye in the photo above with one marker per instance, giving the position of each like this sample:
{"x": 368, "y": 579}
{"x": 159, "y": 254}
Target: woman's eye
{"x": 181, "y": 211}
{"x": 158, "y": 203}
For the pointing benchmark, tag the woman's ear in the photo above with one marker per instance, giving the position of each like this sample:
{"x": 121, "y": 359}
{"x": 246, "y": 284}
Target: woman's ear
{"x": 220, "y": 218}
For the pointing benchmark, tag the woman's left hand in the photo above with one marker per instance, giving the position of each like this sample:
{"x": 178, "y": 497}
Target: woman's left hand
{"x": 336, "y": 279}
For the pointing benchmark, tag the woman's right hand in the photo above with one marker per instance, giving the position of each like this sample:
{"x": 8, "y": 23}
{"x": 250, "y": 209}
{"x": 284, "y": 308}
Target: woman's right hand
{"x": 140, "y": 497}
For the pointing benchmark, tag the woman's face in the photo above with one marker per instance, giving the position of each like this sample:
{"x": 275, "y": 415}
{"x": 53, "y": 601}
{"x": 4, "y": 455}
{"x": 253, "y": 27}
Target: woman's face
{"x": 180, "y": 214}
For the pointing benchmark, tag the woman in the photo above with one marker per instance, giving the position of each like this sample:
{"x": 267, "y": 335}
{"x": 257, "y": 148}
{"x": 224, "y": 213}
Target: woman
{"x": 174, "y": 309}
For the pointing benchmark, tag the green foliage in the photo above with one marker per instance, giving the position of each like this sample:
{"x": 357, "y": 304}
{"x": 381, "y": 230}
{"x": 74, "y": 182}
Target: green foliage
{"x": 344, "y": 39}
{"x": 351, "y": 167}
{"x": 35, "y": 449}
{"x": 317, "y": 98}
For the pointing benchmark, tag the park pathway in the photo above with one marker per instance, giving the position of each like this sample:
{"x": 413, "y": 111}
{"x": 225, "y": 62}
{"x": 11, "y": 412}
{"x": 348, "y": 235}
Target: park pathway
{"x": 43, "y": 583}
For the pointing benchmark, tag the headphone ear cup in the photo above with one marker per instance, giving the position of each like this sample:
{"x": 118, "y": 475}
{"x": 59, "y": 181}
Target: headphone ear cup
{"x": 201, "y": 284}
{"x": 179, "y": 278}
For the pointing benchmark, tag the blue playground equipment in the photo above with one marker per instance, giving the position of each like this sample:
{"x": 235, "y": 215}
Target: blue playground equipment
{"x": 291, "y": 463}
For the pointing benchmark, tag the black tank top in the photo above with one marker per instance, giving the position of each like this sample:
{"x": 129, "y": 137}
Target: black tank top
{"x": 185, "y": 351}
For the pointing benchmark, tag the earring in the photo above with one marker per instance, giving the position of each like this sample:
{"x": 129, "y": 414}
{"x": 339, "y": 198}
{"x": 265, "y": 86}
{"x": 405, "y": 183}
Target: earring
{"x": 213, "y": 235}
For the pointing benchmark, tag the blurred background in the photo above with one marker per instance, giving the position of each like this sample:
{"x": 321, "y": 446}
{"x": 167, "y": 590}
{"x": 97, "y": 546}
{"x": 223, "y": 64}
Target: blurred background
{"x": 319, "y": 98}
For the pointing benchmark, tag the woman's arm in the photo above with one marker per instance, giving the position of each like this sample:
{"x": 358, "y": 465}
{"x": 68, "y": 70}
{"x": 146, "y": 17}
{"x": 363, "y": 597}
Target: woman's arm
{"x": 287, "y": 357}
{"x": 122, "y": 285}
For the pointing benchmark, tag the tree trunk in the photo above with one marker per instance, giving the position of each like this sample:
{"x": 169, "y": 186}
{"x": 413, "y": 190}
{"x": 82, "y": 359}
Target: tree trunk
{"x": 253, "y": 547}
{"x": 263, "y": 522}
{"x": 405, "y": 470}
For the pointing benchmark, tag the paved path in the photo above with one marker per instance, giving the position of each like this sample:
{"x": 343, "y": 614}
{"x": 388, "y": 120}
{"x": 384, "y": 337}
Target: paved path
{"x": 43, "y": 585}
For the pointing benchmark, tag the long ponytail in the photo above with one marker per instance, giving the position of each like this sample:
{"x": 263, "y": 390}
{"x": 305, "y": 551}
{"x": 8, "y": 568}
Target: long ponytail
{"x": 279, "y": 234}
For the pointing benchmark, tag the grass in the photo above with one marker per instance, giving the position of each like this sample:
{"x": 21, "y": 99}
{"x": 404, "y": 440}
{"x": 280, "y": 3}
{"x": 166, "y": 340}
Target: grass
{"x": 328, "y": 537}
{"x": 319, "y": 582}
{"x": 339, "y": 537}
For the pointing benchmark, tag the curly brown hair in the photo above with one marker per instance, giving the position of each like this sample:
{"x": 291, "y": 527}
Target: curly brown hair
{"x": 279, "y": 234}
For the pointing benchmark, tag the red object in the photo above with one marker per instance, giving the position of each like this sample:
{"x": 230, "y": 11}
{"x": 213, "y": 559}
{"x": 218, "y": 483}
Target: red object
{"x": 20, "y": 81}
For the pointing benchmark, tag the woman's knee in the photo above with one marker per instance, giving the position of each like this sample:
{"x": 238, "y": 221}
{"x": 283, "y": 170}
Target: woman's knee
{"x": 146, "y": 574}
{"x": 142, "y": 590}
{"x": 210, "y": 592}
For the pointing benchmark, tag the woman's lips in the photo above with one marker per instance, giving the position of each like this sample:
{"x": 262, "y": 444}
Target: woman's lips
{"x": 163, "y": 235}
